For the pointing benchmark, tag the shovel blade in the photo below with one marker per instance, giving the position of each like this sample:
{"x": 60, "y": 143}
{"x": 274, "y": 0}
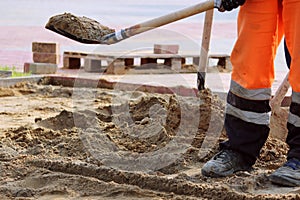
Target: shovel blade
{"x": 73, "y": 37}
{"x": 81, "y": 29}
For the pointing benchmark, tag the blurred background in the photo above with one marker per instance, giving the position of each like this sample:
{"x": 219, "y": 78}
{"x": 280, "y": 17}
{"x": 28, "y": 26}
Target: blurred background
{"x": 22, "y": 22}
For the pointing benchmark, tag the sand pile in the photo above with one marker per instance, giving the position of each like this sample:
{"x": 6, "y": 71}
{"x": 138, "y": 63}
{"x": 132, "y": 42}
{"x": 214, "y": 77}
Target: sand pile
{"x": 122, "y": 145}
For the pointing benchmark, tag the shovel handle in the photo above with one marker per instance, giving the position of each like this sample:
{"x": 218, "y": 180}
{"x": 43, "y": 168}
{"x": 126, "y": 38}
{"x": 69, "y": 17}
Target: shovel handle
{"x": 160, "y": 21}
{"x": 275, "y": 102}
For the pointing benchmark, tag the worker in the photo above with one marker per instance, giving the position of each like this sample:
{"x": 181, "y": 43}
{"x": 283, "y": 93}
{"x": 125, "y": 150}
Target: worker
{"x": 261, "y": 26}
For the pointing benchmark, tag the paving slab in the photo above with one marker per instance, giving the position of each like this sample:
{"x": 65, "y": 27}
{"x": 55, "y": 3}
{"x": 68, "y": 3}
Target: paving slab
{"x": 7, "y": 82}
{"x": 182, "y": 84}
{"x": 185, "y": 84}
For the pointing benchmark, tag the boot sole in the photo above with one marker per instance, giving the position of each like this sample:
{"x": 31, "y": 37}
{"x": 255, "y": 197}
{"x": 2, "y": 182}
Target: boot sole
{"x": 284, "y": 181}
{"x": 215, "y": 175}
{"x": 212, "y": 174}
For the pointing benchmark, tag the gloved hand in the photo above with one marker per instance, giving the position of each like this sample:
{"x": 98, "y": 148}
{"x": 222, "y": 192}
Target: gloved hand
{"x": 228, "y": 5}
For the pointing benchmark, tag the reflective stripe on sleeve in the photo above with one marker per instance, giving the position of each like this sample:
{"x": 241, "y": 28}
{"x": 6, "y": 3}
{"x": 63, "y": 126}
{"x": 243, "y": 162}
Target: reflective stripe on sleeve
{"x": 252, "y": 117}
{"x": 257, "y": 94}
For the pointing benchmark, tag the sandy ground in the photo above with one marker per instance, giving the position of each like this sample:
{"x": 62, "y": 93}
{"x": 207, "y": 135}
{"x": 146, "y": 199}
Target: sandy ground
{"x": 67, "y": 143}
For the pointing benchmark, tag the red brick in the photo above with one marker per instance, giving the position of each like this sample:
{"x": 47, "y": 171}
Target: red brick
{"x": 40, "y": 68}
{"x": 71, "y": 63}
{"x": 45, "y": 47}
{"x": 46, "y": 58}
{"x": 166, "y": 49}
{"x": 117, "y": 67}
{"x": 26, "y": 67}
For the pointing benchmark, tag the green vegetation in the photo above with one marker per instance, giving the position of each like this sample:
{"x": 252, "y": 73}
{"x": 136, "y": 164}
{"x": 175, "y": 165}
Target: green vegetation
{"x": 14, "y": 72}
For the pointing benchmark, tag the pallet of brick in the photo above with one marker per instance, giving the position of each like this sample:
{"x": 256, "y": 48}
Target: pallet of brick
{"x": 115, "y": 65}
{"x": 40, "y": 68}
{"x": 112, "y": 64}
{"x": 223, "y": 60}
{"x": 93, "y": 62}
{"x": 72, "y": 60}
{"x": 46, "y": 52}
{"x": 175, "y": 63}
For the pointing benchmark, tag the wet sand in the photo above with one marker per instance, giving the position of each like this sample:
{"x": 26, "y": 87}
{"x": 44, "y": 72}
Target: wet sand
{"x": 85, "y": 143}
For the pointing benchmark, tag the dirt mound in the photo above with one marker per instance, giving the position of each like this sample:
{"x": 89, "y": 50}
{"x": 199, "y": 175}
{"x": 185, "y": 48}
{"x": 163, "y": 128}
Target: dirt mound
{"x": 123, "y": 145}
{"x": 69, "y": 120}
{"x": 6, "y": 92}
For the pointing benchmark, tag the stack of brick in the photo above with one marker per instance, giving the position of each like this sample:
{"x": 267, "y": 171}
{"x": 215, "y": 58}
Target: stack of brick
{"x": 46, "y": 58}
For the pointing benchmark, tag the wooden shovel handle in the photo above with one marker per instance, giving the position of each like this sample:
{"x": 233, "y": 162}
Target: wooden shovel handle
{"x": 160, "y": 21}
{"x": 275, "y": 102}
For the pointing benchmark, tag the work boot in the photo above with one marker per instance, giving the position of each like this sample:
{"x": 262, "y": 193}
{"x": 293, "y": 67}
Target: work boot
{"x": 288, "y": 174}
{"x": 225, "y": 163}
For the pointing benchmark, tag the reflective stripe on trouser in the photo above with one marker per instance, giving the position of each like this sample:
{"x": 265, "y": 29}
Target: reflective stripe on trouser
{"x": 261, "y": 25}
{"x": 247, "y": 120}
{"x": 293, "y": 138}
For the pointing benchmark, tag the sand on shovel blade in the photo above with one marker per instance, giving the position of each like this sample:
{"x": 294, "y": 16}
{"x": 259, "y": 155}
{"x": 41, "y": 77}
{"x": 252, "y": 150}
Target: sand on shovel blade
{"x": 81, "y": 29}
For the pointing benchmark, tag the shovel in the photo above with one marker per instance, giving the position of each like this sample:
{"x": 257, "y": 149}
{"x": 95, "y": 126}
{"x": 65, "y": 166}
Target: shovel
{"x": 279, "y": 115}
{"x": 100, "y": 38}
